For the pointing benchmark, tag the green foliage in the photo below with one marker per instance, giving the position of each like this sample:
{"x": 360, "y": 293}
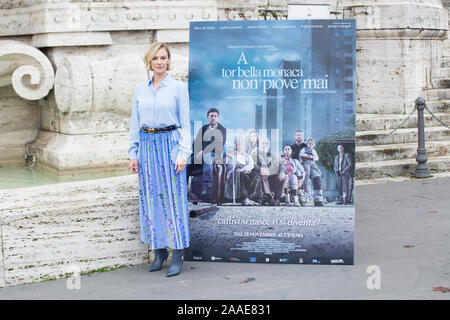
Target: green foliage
{"x": 327, "y": 147}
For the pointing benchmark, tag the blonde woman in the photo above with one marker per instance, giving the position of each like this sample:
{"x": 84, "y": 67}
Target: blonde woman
{"x": 159, "y": 148}
{"x": 252, "y": 146}
{"x": 238, "y": 177}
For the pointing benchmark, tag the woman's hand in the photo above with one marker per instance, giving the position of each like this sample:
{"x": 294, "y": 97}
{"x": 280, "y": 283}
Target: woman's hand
{"x": 180, "y": 164}
{"x": 133, "y": 166}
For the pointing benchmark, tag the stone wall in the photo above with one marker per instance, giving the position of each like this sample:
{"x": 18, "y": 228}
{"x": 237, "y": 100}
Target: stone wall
{"x": 398, "y": 50}
{"x": 96, "y": 49}
{"x": 19, "y": 125}
{"x": 26, "y": 75}
{"x": 90, "y": 224}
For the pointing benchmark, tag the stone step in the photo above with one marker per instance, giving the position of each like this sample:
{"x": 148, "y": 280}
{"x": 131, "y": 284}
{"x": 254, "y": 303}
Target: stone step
{"x": 436, "y": 94}
{"x": 400, "y": 151}
{"x": 445, "y": 47}
{"x": 445, "y": 61}
{"x": 435, "y": 175}
{"x": 403, "y": 135}
{"x": 443, "y": 73}
{"x": 395, "y": 168}
{"x": 441, "y": 106}
{"x": 370, "y": 122}
{"x": 436, "y": 106}
{"x": 446, "y": 42}
{"x": 440, "y": 83}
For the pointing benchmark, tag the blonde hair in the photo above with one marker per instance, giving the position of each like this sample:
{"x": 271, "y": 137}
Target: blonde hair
{"x": 154, "y": 47}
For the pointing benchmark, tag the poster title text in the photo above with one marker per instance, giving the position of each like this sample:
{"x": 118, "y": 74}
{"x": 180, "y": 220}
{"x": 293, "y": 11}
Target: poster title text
{"x": 248, "y": 77}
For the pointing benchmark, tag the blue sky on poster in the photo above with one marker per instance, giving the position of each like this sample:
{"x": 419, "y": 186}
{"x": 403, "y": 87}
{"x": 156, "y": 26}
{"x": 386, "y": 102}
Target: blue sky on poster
{"x": 211, "y": 51}
{"x": 322, "y": 50}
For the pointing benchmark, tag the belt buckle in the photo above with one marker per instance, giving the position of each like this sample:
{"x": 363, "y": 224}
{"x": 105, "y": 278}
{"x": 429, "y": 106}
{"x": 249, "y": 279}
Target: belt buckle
{"x": 151, "y": 130}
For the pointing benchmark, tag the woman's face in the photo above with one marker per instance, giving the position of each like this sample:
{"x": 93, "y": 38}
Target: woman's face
{"x": 287, "y": 151}
{"x": 160, "y": 61}
{"x": 264, "y": 145}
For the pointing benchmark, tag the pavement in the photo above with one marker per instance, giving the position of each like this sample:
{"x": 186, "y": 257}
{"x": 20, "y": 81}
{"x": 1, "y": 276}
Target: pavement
{"x": 402, "y": 251}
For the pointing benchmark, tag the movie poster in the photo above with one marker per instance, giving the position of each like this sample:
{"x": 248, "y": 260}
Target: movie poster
{"x": 272, "y": 173}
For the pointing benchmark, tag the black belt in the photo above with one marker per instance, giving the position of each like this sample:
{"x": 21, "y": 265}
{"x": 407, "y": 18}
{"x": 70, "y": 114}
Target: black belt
{"x": 156, "y": 130}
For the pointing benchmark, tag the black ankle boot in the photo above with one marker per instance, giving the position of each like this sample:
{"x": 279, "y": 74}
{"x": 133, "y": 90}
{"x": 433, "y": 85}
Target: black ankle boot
{"x": 160, "y": 256}
{"x": 177, "y": 262}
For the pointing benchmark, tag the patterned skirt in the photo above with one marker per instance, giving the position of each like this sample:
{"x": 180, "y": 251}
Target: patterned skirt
{"x": 163, "y": 203}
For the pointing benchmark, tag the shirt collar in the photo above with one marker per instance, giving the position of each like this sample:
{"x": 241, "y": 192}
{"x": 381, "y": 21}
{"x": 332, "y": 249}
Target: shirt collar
{"x": 164, "y": 82}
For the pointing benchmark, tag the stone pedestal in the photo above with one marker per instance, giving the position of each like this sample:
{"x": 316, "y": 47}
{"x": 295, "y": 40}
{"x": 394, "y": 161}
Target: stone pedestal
{"x": 71, "y": 154}
{"x": 97, "y": 50}
{"x": 398, "y": 50}
{"x": 85, "y": 121}
{"x": 26, "y": 75}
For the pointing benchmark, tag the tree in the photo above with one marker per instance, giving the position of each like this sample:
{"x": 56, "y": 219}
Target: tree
{"x": 327, "y": 148}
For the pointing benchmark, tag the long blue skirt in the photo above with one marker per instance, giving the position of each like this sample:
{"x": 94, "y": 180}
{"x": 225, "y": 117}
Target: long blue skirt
{"x": 163, "y": 203}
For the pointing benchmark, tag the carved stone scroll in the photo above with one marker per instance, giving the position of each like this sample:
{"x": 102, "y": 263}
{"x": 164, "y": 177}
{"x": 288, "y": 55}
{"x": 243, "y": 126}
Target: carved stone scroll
{"x": 26, "y": 68}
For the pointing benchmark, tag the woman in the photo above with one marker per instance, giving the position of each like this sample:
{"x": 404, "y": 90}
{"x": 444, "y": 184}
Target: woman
{"x": 292, "y": 173}
{"x": 239, "y": 167}
{"x": 159, "y": 148}
{"x": 252, "y": 149}
{"x": 252, "y": 145}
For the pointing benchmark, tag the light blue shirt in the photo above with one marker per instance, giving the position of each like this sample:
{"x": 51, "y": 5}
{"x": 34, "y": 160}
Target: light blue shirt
{"x": 167, "y": 105}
